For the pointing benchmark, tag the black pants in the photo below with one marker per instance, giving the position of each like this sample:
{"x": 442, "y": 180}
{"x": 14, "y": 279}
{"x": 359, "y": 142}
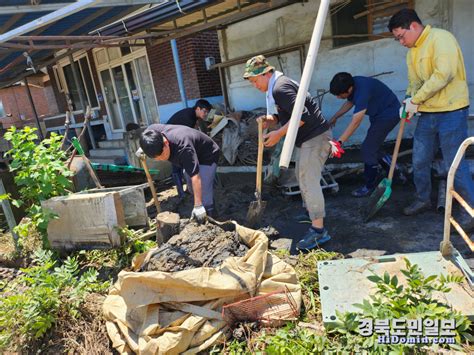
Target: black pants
{"x": 372, "y": 147}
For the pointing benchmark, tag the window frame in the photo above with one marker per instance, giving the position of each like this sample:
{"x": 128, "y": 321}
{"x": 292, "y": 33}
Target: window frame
{"x": 372, "y": 12}
{"x": 65, "y": 87}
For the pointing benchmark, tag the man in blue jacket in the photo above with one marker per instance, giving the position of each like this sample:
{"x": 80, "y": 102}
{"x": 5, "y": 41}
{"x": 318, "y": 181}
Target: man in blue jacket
{"x": 370, "y": 97}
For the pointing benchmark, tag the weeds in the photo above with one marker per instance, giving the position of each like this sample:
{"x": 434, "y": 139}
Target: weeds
{"x": 307, "y": 271}
{"x": 391, "y": 301}
{"x": 117, "y": 258}
{"x": 32, "y": 304}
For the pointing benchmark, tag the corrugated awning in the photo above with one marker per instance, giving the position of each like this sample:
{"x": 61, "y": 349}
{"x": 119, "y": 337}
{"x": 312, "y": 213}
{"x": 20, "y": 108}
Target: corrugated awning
{"x": 111, "y": 19}
{"x": 172, "y": 20}
{"x": 17, "y": 13}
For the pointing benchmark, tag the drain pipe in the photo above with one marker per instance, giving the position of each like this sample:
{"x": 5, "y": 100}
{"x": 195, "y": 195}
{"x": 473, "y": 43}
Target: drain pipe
{"x": 179, "y": 73}
{"x": 295, "y": 119}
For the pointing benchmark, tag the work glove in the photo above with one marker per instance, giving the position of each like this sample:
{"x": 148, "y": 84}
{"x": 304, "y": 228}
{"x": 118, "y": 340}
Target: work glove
{"x": 410, "y": 108}
{"x": 336, "y": 149}
{"x": 139, "y": 153}
{"x": 199, "y": 214}
{"x": 404, "y": 115}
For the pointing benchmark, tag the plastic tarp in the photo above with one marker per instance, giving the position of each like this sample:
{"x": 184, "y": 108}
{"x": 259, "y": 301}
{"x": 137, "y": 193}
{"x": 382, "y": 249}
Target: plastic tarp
{"x": 157, "y": 312}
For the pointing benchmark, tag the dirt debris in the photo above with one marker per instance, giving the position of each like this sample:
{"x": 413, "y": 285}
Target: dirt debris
{"x": 196, "y": 246}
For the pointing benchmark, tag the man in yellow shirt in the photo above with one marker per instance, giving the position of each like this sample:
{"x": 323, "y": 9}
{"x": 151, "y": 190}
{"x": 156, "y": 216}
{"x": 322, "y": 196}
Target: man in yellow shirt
{"x": 437, "y": 90}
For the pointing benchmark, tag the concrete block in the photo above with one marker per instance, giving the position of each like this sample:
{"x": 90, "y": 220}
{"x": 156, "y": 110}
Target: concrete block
{"x": 90, "y": 219}
{"x": 85, "y": 221}
{"x": 133, "y": 201}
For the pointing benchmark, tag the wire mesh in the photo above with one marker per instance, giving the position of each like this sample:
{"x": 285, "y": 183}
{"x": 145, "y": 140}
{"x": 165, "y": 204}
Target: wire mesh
{"x": 274, "y": 306}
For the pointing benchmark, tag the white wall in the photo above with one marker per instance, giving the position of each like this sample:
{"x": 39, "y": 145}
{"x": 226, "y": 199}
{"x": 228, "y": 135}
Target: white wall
{"x": 463, "y": 29}
{"x": 294, "y": 23}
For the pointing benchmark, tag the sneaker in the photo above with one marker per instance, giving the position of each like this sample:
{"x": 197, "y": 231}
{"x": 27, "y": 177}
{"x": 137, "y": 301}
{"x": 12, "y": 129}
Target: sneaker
{"x": 302, "y": 218}
{"x": 362, "y": 191}
{"x": 313, "y": 239}
{"x": 417, "y": 207}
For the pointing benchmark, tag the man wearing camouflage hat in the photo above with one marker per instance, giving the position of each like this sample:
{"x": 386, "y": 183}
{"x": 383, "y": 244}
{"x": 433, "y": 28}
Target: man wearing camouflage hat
{"x": 313, "y": 139}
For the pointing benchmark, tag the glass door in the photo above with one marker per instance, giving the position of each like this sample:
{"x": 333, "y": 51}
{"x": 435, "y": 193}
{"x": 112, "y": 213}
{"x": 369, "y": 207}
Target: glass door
{"x": 111, "y": 101}
{"x": 123, "y": 96}
{"x": 148, "y": 93}
{"x": 135, "y": 94}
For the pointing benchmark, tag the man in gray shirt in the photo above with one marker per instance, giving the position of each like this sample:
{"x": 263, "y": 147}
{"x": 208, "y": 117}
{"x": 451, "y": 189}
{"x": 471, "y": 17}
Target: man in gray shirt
{"x": 313, "y": 139}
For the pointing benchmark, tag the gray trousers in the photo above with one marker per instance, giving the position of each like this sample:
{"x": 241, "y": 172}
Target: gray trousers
{"x": 309, "y": 166}
{"x": 207, "y": 173}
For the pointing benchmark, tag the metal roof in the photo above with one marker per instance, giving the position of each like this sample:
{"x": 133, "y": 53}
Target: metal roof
{"x": 16, "y": 13}
{"x": 164, "y": 20}
{"x": 168, "y": 21}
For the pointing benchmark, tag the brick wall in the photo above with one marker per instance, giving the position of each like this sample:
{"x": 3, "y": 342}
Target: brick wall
{"x": 51, "y": 98}
{"x": 207, "y": 45}
{"x": 163, "y": 73}
{"x": 198, "y": 82}
{"x": 15, "y": 102}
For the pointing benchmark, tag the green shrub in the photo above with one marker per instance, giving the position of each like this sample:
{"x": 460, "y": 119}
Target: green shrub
{"x": 40, "y": 173}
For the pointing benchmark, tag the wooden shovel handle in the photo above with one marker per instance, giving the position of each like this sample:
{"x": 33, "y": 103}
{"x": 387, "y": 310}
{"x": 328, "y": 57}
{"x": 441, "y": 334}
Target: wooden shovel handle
{"x": 151, "y": 184}
{"x": 259, "y": 158}
{"x": 396, "y": 149}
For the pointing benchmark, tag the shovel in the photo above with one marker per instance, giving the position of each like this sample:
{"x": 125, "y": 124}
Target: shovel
{"x": 159, "y": 235}
{"x": 384, "y": 189}
{"x": 256, "y": 208}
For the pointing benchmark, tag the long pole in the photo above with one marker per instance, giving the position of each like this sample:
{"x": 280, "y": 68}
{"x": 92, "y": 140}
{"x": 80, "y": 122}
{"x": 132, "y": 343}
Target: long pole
{"x": 295, "y": 119}
{"x": 35, "y": 114}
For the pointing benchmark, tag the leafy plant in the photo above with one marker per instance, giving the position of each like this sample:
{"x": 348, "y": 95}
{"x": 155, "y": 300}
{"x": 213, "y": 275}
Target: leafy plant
{"x": 392, "y": 300}
{"x": 294, "y": 340}
{"x": 117, "y": 258}
{"x": 32, "y": 304}
{"x": 40, "y": 173}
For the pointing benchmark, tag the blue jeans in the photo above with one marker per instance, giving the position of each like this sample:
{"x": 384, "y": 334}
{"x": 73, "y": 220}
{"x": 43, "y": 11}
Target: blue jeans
{"x": 451, "y": 129}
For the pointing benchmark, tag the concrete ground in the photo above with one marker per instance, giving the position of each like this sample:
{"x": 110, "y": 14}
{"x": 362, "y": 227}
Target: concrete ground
{"x": 389, "y": 232}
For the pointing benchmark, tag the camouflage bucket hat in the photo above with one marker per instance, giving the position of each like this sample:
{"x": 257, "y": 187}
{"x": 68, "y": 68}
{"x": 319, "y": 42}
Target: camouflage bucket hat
{"x": 256, "y": 66}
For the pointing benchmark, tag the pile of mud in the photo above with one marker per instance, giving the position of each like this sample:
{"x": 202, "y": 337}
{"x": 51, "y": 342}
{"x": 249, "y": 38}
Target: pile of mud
{"x": 196, "y": 246}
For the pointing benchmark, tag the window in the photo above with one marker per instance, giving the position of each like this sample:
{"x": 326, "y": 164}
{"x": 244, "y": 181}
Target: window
{"x": 363, "y": 18}
{"x": 84, "y": 77}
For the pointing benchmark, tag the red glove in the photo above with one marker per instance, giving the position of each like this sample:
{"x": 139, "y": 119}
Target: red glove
{"x": 336, "y": 149}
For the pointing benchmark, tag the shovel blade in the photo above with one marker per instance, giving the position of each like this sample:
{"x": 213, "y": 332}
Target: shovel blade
{"x": 378, "y": 198}
{"x": 255, "y": 212}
